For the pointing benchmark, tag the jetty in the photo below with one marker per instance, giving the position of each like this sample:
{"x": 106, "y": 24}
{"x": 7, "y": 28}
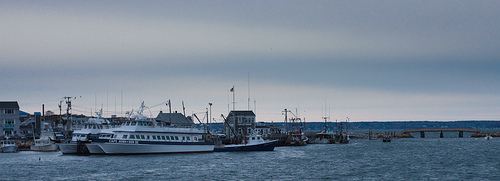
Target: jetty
{"x": 459, "y": 130}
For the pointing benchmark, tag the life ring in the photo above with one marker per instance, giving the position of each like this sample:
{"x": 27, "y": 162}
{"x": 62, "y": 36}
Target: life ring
{"x": 195, "y": 138}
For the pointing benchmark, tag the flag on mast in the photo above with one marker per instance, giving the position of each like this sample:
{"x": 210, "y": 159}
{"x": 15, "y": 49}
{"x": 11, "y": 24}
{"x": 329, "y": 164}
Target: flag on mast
{"x": 232, "y": 89}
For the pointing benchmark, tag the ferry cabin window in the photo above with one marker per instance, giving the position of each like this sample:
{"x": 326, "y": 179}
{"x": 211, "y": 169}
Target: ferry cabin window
{"x": 148, "y": 137}
{"x": 154, "y": 137}
{"x": 183, "y": 138}
{"x": 125, "y": 136}
{"x": 188, "y": 138}
{"x": 163, "y": 137}
{"x": 168, "y": 138}
{"x": 172, "y": 138}
{"x": 133, "y": 123}
{"x": 132, "y": 137}
{"x": 142, "y": 137}
{"x": 176, "y": 138}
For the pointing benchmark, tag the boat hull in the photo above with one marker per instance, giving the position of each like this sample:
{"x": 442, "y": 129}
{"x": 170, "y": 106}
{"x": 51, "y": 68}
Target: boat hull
{"x": 68, "y": 148}
{"x": 322, "y": 141}
{"x": 50, "y": 147}
{"x": 267, "y": 146}
{"x": 135, "y": 149}
{"x": 95, "y": 149}
{"x": 9, "y": 149}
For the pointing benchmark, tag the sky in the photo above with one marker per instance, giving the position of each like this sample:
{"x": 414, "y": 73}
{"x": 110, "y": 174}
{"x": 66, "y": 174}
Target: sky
{"x": 366, "y": 61}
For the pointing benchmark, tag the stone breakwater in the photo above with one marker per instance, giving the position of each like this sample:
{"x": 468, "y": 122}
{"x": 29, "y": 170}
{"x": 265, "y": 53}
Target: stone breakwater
{"x": 479, "y": 135}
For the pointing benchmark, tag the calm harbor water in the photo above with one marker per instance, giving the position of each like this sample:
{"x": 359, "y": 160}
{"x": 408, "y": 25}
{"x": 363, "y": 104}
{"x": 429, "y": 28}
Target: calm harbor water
{"x": 402, "y": 159}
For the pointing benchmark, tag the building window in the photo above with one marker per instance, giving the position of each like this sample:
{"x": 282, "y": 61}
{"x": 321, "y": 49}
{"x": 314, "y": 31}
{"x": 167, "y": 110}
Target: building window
{"x": 9, "y": 123}
{"x": 249, "y": 131}
{"x": 9, "y": 111}
{"x": 124, "y": 137}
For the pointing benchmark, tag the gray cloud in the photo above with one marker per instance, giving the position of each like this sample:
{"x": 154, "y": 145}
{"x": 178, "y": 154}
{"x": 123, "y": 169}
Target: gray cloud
{"x": 197, "y": 49}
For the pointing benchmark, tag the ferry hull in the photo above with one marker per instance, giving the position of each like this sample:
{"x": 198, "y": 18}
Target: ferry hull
{"x": 9, "y": 149}
{"x": 268, "y": 146}
{"x": 95, "y": 149}
{"x": 68, "y": 148}
{"x": 134, "y": 149}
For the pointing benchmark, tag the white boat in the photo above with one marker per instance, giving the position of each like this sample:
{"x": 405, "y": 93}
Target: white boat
{"x": 80, "y": 140}
{"x": 45, "y": 143}
{"x": 144, "y": 136}
{"x": 489, "y": 137}
{"x": 252, "y": 143}
{"x": 322, "y": 138}
{"x": 8, "y": 146}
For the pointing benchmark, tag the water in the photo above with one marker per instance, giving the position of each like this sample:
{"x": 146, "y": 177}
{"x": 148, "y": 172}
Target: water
{"x": 402, "y": 159}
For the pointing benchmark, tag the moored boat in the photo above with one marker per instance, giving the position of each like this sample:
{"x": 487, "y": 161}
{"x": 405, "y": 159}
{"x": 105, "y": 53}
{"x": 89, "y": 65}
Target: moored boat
{"x": 252, "y": 143}
{"x": 8, "y": 146}
{"x": 322, "y": 138}
{"x": 45, "y": 143}
{"x": 141, "y": 135}
{"x": 489, "y": 137}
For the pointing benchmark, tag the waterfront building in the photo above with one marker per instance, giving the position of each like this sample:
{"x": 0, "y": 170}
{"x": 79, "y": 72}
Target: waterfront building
{"x": 267, "y": 130}
{"x": 242, "y": 122}
{"x": 9, "y": 118}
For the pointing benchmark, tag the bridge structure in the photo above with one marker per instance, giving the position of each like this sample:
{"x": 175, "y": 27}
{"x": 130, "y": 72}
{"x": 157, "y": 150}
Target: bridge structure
{"x": 423, "y": 130}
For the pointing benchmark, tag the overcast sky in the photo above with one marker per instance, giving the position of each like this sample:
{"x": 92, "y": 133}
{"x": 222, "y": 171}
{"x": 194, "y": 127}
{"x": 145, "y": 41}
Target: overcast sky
{"x": 366, "y": 60}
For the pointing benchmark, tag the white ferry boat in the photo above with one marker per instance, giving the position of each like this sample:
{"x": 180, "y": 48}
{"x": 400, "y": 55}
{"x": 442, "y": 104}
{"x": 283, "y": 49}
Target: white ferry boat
{"x": 145, "y": 136}
{"x": 80, "y": 142}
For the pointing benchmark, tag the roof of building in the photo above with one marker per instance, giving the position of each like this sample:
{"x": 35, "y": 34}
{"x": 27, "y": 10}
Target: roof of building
{"x": 9, "y": 105}
{"x": 174, "y": 119}
{"x": 242, "y": 113}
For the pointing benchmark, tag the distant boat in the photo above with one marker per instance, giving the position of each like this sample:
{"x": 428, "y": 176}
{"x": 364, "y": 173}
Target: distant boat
{"x": 252, "y": 143}
{"x": 45, "y": 143}
{"x": 322, "y": 138}
{"x": 386, "y": 138}
{"x": 489, "y": 137}
{"x": 8, "y": 146}
{"x": 297, "y": 138}
{"x": 341, "y": 138}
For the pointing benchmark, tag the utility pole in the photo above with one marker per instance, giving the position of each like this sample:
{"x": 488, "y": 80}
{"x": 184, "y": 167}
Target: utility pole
{"x": 68, "y": 108}
{"x": 210, "y": 116}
